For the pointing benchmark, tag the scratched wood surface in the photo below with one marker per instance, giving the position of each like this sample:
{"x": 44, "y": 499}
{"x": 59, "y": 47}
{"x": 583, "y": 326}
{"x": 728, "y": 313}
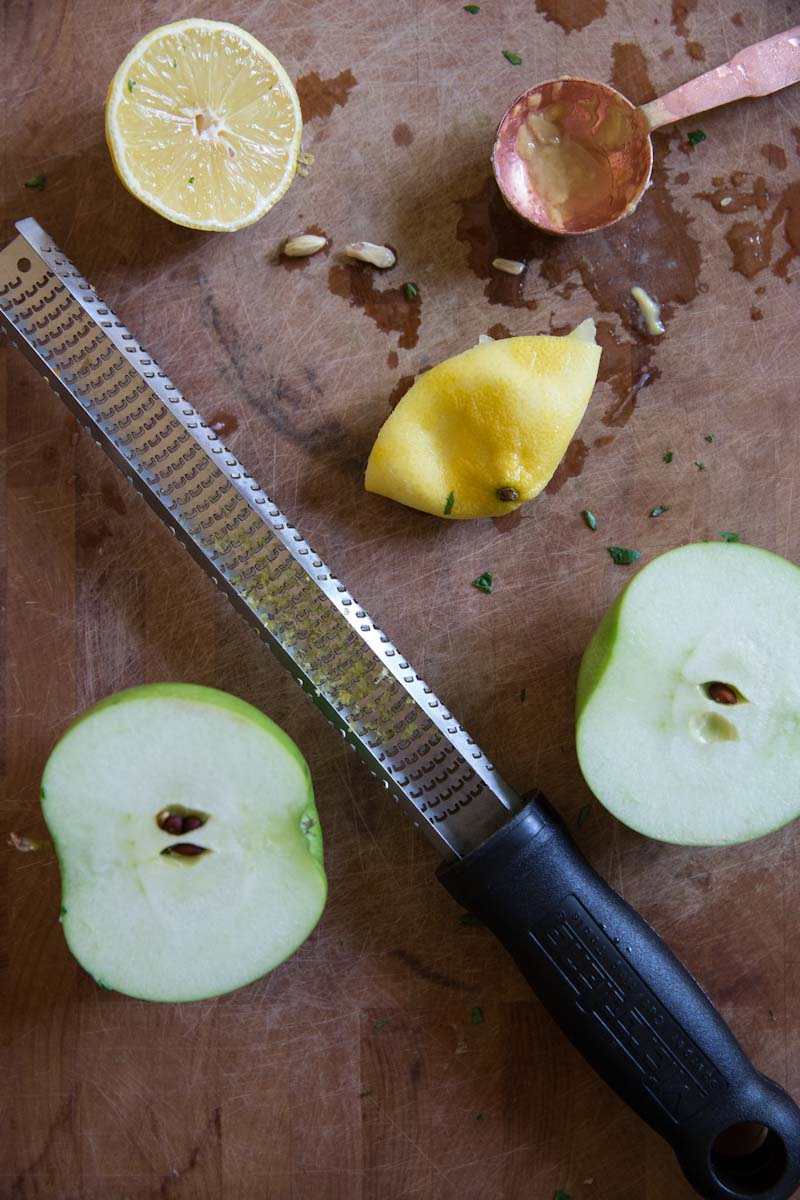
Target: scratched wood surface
{"x": 354, "y": 1071}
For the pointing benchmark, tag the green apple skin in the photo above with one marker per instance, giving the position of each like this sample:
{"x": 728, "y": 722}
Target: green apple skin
{"x": 654, "y": 748}
{"x": 258, "y": 895}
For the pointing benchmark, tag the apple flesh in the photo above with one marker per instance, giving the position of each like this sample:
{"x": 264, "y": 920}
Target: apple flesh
{"x": 188, "y": 842}
{"x": 688, "y": 708}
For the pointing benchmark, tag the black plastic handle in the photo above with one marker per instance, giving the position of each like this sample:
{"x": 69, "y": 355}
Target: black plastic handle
{"x": 631, "y": 1008}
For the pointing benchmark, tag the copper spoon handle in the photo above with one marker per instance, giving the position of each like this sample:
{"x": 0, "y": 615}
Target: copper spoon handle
{"x": 758, "y": 70}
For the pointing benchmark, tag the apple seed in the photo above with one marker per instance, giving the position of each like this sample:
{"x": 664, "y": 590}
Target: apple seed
{"x": 170, "y": 822}
{"x": 722, "y": 693}
{"x": 191, "y": 822}
{"x": 185, "y": 849}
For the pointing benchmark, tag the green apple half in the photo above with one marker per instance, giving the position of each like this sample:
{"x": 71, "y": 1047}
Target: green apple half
{"x": 688, "y": 710}
{"x": 139, "y": 778}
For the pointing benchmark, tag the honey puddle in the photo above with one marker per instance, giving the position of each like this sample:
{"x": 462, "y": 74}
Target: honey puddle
{"x": 571, "y": 15}
{"x": 388, "y": 307}
{"x": 318, "y": 97}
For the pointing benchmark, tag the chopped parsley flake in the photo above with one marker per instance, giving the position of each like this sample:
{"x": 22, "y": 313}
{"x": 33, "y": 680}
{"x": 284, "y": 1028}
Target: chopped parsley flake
{"x": 174, "y": 64}
{"x": 63, "y": 910}
{"x": 483, "y": 583}
{"x": 478, "y": 1116}
{"x": 583, "y": 814}
{"x": 191, "y": 181}
{"x": 709, "y": 437}
{"x": 36, "y": 181}
{"x": 472, "y": 8}
{"x": 668, "y": 457}
{"x": 477, "y": 1015}
{"x": 468, "y": 919}
{"x": 622, "y": 556}
{"x": 727, "y": 536}
{"x": 590, "y": 519}
{"x": 659, "y": 509}
{"x": 560, "y": 1194}
{"x": 448, "y": 507}
{"x": 361, "y": 1095}
{"x": 131, "y": 85}
{"x": 411, "y": 290}
{"x": 379, "y": 1024}
{"x": 513, "y": 58}
{"x": 701, "y": 466}
{"x": 695, "y": 137}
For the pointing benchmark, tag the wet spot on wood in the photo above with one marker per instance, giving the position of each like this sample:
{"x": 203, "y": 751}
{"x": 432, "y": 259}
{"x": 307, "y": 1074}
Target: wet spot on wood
{"x": 604, "y": 440}
{"x": 756, "y": 314}
{"x": 682, "y": 178}
{"x": 738, "y": 20}
{"x": 402, "y": 134}
{"x": 572, "y": 14}
{"x": 570, "y": 466}
{"x": 696, "y": 51}
{"x": 387, "y": 306}
{"x": 318, "y": 97}
{"x": 297, "y": 264}
{"x": 93, "y": 534}
{"x": 681, "y": 11}
{"x": 629, "y": 73}
{"x": 731, "y": 198}
{"x": 752, "y": 242}
{"x": 392, "y": 359}
{"x": 399, "y": 390}
{"x": 775, "y": 155}
{"x": 223, "y": 424}
{"x": 499, "y": 331}
{"x": 112, "y": 497}
{"x": 508, "y": 522}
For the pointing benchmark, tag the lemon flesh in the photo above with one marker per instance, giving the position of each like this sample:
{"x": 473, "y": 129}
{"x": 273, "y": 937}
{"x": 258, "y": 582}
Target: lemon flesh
{"x": 497, "y": 416}
{"x": 204, "y": 125}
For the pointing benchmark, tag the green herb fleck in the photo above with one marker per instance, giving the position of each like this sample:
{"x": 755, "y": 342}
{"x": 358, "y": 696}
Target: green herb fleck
{"x": 668, "y": 457}
{"x": 695, "y": 137}
{"x": 590, "y": 519}
{"x": 513, "y": 58}
{"x": 623, "y": 557}
{"x": 191, "y": 181}
{"x": 709, "y": 437}
{"x": 522, "y": 695}
{"x": 131, "y": 85}
{"x": 448, "y": 507}
{"x": 468, "y": 919}
{"x": 478, "y": 1116}
{"x": 63, "y": 910}
{"x": 174, "y": 64}
{"x": 472, "y": 8}
{"x": 560, "y": 1194}
{"x": 701, "y": 466}
{"x": 411, "y": 290}
{"x": 477, "y": 1015}
{"x": 727, "y": 536}
{"x": 483, "y": 583}
{"x": 36, "y": 181}
{"x": 379, "y": 1024}
{"x": 361, "y": 1095}
{"x": 658, "y": 510}
{"x": 583, "y": 814}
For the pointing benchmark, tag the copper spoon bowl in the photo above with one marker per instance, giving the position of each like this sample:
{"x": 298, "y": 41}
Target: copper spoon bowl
{"x": 573, "y": 155}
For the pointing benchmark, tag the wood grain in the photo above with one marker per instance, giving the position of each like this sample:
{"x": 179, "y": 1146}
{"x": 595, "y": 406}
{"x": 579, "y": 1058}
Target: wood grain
{"x": 355, "y": 1072}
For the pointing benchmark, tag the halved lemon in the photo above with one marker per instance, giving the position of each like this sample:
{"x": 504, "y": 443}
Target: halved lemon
{"x": 204, "y": 125}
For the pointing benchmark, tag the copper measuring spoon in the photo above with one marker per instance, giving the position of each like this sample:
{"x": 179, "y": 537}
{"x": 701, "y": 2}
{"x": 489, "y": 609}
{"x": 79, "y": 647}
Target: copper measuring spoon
{"x": 573, "y": 155}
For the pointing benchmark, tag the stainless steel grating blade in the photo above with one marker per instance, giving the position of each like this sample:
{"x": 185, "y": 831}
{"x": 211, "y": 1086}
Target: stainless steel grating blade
{"x": 362, "y": 684}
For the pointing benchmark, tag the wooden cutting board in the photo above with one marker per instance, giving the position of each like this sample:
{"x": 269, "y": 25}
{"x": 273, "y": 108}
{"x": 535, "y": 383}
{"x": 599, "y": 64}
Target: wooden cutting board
{"x": 355, "y": 1072}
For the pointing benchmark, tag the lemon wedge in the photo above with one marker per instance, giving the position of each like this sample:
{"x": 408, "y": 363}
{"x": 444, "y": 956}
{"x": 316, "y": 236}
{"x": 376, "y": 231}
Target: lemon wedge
{"x": 204, "y": 125}
{"x": 482, "y": 432}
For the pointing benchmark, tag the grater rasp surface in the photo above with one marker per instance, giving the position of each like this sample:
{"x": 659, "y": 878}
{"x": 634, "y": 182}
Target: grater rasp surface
{"x": 362, "y": 684}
